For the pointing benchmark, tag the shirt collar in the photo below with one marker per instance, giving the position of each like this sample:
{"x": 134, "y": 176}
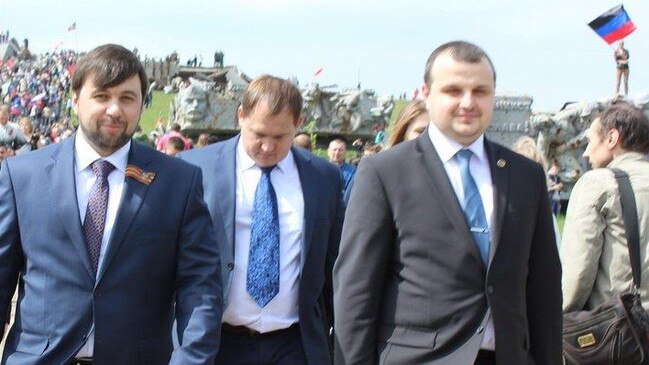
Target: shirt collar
{"x": 245, "y": 162}
{"x": 447, "y": 148}
{"x": 85, "y": 155}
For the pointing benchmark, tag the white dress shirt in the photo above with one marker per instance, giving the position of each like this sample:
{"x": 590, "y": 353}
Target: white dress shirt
{"x": 84, "y": 177}
{"x": 479, "y": 166}
{"x": 282, "y": 311}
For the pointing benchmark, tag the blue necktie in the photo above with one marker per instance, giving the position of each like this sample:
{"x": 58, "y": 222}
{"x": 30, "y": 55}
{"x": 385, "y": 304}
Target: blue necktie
{"x": 263, "y": 260}
{"x": 473, "y": 208}
{"x": 95, "y": 220}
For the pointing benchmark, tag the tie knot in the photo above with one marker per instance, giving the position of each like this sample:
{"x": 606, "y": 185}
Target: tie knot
{"x": 267, "y": 170}
{"x": 464, "y": 155}
{"x": 102, "y": 168}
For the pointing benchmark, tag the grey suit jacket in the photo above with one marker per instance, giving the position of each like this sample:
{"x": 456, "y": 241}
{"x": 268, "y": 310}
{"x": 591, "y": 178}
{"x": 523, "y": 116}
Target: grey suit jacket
{"x": 409, "y": 285}
{"x": 162, "y": 251}
{"x": 323, "y": 214}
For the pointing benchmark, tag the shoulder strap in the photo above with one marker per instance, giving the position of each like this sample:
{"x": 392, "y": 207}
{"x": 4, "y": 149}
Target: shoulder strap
{"x": 630, "y": 213}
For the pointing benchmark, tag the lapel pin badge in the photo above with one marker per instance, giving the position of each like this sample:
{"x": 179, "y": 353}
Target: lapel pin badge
{"x": 143, "y": 177}
{"x": 501, "y": 163}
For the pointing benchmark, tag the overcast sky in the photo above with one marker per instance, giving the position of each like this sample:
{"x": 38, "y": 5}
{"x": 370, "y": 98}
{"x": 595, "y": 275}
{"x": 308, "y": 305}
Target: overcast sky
{"x": 543, "y": 49}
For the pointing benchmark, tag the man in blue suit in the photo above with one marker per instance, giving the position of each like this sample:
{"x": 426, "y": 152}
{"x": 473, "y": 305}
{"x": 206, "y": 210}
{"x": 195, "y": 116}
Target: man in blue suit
{"x": 104, "y": 236}
{"x": 280, "y": 209}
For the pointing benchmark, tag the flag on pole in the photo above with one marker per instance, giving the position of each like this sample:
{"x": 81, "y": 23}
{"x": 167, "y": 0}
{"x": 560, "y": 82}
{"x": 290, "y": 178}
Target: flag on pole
{"x": 318, "y": 72}
{"x": 73, "y": 27}
{"x": 613, "y": 25}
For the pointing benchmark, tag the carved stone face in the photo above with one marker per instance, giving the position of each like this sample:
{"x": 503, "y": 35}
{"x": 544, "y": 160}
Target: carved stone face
{"x": 193, "y": 104}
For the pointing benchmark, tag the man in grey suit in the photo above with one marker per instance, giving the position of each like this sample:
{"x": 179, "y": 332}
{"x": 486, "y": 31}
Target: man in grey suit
{"x": 279, "y": 304}
{"x": 108, "y": 240}
{"x": 448, "y": 253}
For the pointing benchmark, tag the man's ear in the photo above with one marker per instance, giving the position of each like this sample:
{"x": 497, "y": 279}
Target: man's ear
{"x": 240, "y": 115}
{"x": 425, "y": 90}
{"x": 298, "y": 122}
{"x": 75, "y": 102}
{"x": 613, "y": 138}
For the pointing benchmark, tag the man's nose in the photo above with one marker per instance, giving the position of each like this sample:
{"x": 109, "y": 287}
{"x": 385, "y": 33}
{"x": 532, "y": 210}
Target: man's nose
{"x": 467, "y": 100}
{"x": 114, "y": 109}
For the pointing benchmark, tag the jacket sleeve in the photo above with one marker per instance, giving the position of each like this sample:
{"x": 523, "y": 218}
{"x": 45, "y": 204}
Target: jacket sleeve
{"x": 359, "y": 272}
{"x": 10, "y": 245}
{"x": 199, "y": 298}
{"x": 545, "y": 319}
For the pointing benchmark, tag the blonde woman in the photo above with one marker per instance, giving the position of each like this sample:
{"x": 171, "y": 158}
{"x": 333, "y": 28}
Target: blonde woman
{"x": 412, "y": 122}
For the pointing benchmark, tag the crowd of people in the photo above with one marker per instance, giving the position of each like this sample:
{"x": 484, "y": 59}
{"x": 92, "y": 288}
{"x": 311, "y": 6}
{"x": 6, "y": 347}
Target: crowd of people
{"x": 35, "y": 103}
{"x": 439, "y": 249}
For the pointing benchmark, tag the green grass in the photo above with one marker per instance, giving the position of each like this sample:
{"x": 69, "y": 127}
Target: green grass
{"x": 159, "y": 108}
{"x": 561, "y": 220}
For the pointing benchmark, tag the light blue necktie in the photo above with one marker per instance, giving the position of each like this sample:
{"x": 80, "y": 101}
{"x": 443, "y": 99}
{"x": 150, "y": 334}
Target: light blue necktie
{"x": 263, "y": 260}
{"x": 473, "y": 208}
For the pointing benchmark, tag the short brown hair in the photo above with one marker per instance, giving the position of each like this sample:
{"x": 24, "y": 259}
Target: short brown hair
{"x": 108, "y": 65}
{"x": 408, "y": 115}
{"x": 460, "y": 51}
{"x": 177, "y": 143}
{"x": 277, "y": 93}
{"x": 631, "y": 123}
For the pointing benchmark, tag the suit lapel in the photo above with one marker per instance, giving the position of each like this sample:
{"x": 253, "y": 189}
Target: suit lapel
{"x": 309, "y": 183}
{"x": 443, "y": 189}
{"x": 500, "y": 179}
{"x": 130, "y": 203}
{"x": 62, "y": 176}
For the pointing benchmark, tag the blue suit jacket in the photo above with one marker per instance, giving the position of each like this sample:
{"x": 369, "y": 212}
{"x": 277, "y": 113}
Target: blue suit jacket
{"x": 323, "y": 214}
{"x": 162, "y": 250}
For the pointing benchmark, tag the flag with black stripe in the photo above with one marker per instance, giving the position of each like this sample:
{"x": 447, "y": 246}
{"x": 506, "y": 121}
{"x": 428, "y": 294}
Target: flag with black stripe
{"x": 613, "y": 25}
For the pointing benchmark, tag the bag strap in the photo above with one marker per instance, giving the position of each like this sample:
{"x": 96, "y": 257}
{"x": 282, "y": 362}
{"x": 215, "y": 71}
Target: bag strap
{"x": 630, "y": 213}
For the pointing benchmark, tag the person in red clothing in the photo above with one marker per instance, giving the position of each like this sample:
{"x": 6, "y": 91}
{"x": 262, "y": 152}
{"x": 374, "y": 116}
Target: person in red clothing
{"x": 174, "y": 132}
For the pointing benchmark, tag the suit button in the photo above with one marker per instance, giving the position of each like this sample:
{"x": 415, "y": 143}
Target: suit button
{"x": 480, "y": 329}
{"x": 490, "y": 289}
{"x": 230, "y": 266}
{"x": 98, "y": 293}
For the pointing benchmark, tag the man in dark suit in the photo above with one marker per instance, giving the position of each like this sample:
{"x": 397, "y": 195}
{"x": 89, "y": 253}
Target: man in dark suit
{"x": 286, "y": 204}
{"x": 447, "y": 254}
{"x": 104, "y": 235}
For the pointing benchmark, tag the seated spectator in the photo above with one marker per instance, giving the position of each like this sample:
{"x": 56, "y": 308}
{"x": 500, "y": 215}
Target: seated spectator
{"x": 27, "y": 128}
{"x": 10, "y": 134}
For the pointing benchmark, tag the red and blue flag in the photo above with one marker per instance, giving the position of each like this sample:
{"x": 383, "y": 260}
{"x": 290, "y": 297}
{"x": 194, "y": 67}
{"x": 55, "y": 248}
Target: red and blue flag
{"x": 613, "y": 25}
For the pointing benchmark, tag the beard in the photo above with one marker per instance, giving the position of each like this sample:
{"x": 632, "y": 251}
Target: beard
{"x": 104, "y": 142}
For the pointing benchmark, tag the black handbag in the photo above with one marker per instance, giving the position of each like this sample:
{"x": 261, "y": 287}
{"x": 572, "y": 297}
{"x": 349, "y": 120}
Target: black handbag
{"x": 615, "y": 332}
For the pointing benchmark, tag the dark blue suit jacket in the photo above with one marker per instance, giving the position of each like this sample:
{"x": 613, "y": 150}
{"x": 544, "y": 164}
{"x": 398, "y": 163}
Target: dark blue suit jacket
{"x": 162, "y": 250}
{"x": 323, "y": 214}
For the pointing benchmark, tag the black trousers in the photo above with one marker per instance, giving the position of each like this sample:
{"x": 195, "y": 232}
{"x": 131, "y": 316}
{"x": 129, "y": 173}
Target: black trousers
{"x": 282, "y": 347}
